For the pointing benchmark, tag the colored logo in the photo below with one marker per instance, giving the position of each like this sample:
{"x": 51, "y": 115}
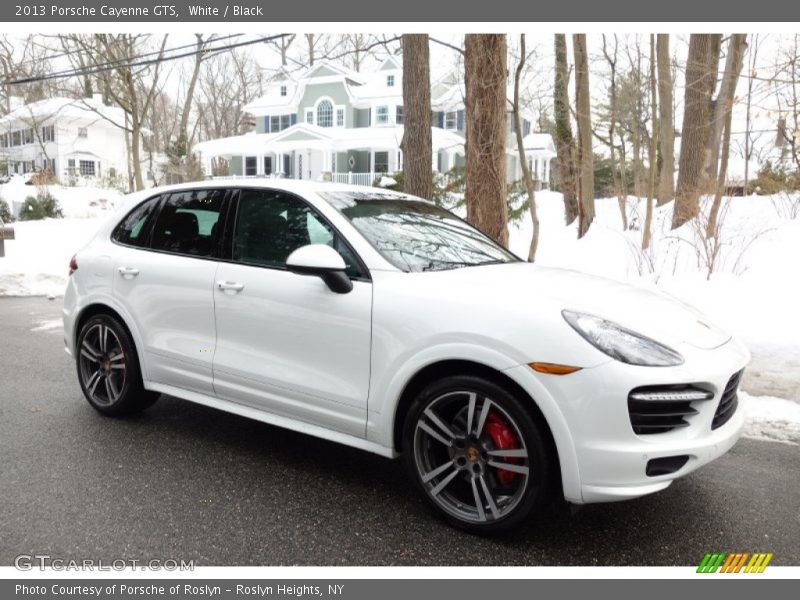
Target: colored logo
{"x": 734, "y": 562}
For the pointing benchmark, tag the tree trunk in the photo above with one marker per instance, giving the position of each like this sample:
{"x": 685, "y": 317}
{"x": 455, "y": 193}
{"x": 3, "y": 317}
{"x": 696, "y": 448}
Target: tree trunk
{"x": 700, "y": 81}
{"x": 565, "y": 145}
{"x": 187, "y": 103}
{"x": 485, "y": 79}
{"x": 652, "y": 153}
{"x": 666, "y": 126}
{"x": 724, "y": 102}
{"x": 416, "y": 144}
{"x": 621, "y": 190}
{"x": 713, "y": 215}
{"x": 583, "y": 109}
{"x": 526, "y": 171}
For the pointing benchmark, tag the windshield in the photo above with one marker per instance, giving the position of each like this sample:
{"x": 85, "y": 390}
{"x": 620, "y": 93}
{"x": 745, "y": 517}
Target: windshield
{"x": 415, "y": 235}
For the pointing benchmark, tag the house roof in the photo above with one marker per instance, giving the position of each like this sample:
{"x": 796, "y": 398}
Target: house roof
{"x": 541, "y": 143}
{"x": 66, "y": 109}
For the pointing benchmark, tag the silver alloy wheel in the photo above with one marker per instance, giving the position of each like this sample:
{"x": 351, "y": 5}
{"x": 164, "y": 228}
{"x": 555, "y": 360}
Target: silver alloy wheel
{"x": 458, "y": 461}
{"x": 102, "y": 365}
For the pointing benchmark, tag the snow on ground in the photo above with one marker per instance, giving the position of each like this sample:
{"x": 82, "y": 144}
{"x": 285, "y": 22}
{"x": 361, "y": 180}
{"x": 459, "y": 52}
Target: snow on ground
{"x": 753, "y": 291}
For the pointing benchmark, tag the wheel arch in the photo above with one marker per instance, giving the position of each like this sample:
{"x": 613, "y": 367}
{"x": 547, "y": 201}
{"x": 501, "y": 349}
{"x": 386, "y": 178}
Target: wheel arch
{"x": 450, "y": 367}
{"x": 103, "y": 308}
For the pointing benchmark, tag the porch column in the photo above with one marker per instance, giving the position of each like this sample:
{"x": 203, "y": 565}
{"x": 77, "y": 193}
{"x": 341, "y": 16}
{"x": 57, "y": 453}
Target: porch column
{"x": 547, "y": 172}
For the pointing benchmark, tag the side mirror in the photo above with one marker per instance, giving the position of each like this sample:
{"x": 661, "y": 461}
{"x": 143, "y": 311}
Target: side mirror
{"x": 321, "y": 261}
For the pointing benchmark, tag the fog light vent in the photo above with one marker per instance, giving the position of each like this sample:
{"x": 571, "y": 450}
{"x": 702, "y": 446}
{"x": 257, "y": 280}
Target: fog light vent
{"x": 665, "y": 465}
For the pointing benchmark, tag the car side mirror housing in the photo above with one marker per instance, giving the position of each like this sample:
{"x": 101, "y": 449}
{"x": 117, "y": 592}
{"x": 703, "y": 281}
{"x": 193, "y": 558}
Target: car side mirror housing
{"x": 321, "y": 261}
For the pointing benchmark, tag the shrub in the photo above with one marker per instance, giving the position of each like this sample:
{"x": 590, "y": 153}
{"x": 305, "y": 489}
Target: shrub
{"x": 40, "y": 207}
{"x": 772, "y": 180}
{"x": 5, "y": 212}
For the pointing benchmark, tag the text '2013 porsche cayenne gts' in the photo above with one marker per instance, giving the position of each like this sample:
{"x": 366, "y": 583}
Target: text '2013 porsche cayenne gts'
{"x": 381, "y": 321}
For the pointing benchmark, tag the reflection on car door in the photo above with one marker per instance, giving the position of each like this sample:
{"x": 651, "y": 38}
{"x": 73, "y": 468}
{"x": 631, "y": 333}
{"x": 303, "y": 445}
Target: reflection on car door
{"x": 166, "y": 283}
{"x": 286, "y": 343}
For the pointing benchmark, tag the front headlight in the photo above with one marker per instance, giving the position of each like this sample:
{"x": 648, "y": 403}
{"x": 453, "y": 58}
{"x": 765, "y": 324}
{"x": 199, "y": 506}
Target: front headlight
{"x": 622, "y": 344}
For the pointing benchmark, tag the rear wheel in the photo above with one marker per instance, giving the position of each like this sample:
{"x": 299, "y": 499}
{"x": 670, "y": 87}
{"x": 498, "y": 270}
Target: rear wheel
{"x": 477, "y": 454}
{"x": 108, "y": 368}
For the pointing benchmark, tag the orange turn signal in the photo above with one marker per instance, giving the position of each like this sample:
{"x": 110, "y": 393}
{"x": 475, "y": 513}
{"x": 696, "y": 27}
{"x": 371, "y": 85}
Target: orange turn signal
{"x": 552, "y": 369}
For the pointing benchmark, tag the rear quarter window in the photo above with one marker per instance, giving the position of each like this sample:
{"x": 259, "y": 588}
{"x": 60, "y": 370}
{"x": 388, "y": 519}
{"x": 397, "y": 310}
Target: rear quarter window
{"x": 134, "y": 228}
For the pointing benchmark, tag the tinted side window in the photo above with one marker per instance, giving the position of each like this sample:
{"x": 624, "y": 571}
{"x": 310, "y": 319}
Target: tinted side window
{"x": 133, "y": 229}
{"x": 271, "y": 224}
{"x": 189, "y": 223}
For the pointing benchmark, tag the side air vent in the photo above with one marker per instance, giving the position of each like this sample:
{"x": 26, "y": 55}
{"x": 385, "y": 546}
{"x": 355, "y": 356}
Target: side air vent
{"x": 728, "y": 402}
{"x": 662, "y": 408}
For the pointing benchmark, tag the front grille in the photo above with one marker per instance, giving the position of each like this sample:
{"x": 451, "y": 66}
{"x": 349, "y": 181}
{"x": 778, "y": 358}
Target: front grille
{"x": 728, "y": 402}
{"x": 650, "y": 416}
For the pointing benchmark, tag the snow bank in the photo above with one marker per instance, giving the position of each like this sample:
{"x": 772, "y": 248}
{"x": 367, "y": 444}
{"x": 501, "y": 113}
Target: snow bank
{"x": 753, "y": 290}
{"x": 77, "y": 202}
{"x": 771, "y": 419}
{"x": 37, "y": 261}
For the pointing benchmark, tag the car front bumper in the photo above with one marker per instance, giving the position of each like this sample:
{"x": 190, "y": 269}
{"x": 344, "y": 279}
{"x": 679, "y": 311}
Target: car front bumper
{"x": 603, "y": 459}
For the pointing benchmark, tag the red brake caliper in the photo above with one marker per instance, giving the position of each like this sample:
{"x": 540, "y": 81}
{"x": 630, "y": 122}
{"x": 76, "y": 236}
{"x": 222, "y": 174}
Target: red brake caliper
{"x": 503, "y": 438}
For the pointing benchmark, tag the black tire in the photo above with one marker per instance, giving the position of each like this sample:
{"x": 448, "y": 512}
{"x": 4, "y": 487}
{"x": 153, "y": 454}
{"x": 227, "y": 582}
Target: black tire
{"x": 504, "y": 505}
{"x": 109, "y": 372}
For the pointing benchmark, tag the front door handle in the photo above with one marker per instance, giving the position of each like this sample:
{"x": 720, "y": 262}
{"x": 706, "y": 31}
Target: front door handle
{"x": 230, "y": 287}
{"x": 128, "y": 272}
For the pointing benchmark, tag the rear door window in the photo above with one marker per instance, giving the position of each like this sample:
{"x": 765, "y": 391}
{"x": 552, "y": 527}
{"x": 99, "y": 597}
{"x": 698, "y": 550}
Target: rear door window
{"x": 189, "y": 223}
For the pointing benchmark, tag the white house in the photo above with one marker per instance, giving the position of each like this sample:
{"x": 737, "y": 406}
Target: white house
{"x": 333, "y": 123}
{"x": 69, "y": 137}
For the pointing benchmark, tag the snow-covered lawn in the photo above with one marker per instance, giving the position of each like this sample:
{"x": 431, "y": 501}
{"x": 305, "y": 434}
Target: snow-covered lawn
{"x": 753, "y": 291}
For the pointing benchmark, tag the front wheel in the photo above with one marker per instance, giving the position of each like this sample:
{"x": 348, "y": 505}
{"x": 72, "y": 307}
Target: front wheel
{"x": 108, "y": 368}
{"x": 477, "y": 454}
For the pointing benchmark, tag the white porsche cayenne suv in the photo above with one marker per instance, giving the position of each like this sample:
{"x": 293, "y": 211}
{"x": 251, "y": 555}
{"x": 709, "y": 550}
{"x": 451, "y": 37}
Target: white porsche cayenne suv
{"x": 381, "y": 321}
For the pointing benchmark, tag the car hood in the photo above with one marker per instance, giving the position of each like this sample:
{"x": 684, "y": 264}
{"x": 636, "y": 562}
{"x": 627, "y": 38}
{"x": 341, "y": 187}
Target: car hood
{"x": 651, "y": 313}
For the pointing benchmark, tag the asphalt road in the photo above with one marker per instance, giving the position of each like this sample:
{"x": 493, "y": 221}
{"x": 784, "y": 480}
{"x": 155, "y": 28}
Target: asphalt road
{"x": 187, "y": 482}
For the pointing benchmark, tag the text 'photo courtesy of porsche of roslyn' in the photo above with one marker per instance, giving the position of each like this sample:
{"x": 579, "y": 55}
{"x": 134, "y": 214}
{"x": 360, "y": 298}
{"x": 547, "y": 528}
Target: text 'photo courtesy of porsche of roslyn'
{"x": 343, "y": 296}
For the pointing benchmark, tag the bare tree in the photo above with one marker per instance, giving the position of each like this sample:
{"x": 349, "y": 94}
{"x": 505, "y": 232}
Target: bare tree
{"x": 132, "y": 88}
{"x": 527, "y": 178}
{"x": 700, "y": 81}
{"x": 584, "y": 118}
{"x": 416, "y": 144}
{"x": 666, "y": 125}
{"x": 565, "y": 144}
{"x": 227, "y": 83}
{"x": 723, "y": 104}
{"x": 652, "y": 152}
{"x": 485, "y": 78}
{"x": 620, "y": 183}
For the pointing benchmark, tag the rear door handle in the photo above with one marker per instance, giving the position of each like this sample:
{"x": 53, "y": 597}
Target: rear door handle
{"x": 128, "y": 272}
{"x": 230, "y": 287}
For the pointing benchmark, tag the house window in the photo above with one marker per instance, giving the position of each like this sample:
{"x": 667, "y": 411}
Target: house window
{"x": 48, "y": 133}
{"x": 86, "y": 167}
{"x": 340, "y": 117}
{"x": 381, "y": 162}
{"x": 451, "y": 120}
{"x": 286, "y": 121}
{"x": 4, "y": 140}
{"x": 28, "y": 133}
{"x": 382, "y": 115}
{"x": 16, "y": 138}
{"x": 71, "y": 166}
{"x": 325, "y": 114}
{"x": 300, "y": 166}
{"x": 250, "y": 166}
{"x": 399, "y": 115}
{"x": 390, "y": 81}
{"x": 283, "y": 90}
{"x": 310, "y": 117}
{"x": 267, "y": 165}
{"x": 274, "y": 124}
{"x": 82, "y": 133}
